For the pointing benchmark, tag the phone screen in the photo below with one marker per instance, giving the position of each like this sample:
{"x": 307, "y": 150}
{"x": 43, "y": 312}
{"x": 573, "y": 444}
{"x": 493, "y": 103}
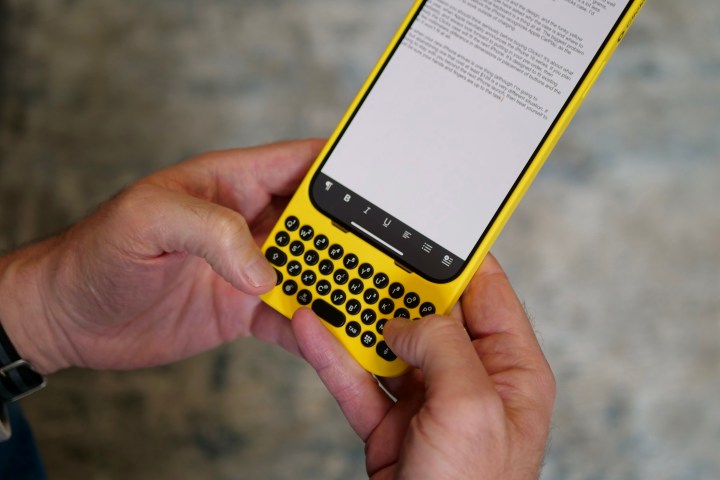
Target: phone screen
{"x": 458, "y": 112}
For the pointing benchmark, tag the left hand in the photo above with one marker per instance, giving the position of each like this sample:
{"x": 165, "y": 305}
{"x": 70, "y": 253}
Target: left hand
{"x": 167, "y": 269}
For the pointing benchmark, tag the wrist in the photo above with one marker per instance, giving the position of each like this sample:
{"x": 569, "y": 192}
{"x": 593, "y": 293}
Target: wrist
{"x": 24, "y": 312}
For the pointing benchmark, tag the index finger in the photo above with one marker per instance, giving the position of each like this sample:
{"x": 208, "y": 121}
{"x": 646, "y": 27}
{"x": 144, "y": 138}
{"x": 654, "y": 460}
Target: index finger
{"x": 276, "y": 168}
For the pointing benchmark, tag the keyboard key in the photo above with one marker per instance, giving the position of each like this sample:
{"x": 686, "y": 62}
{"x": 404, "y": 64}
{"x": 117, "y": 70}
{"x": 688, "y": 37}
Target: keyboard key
{"x": 368, "y": 317}
{"x": 321, "y": 242}
{"x": 401, "y": 313}
{"x": 396, "y": 290}
{"x": 323, "y": 287}
{"x": 282, "y": 239}
{"x": 356, "y": 286}
{"x": 412, "y": 300}
{"x": 327, "y": 312}
{"x": 386, "y": 306}
{"x": 297, "y": 248}
{"x": 351, "y": 261}
{"x": 307, "y": 233}
{"x": 336, "y": 252}
{"x": 381, "y": 281}
{"x": 338, "y": 297}
{"x": 371, "y": 296}
{"x": 427, "y": 308}
{"x": 276, "y": 256}
{"x": 312, "y": 258}
{"x": 294, "y": 268}
{"x": 353, "y": 329}
{"x": 304, "y": 297}
{"x": 326, "y": 267}
{"x": 368, "y": 339}
{"x": 353, "y": 307}
{"x": 309, "y": 278}
{"x": 366, "y": 271}
{"x": 290, "y": 287}
{"x": 279, "y": 277}
{"x": 380, "y": 327}
{"x": 384, "y": 352}
{"x": 341, "y": 277}
{"x": 292, "y": 223}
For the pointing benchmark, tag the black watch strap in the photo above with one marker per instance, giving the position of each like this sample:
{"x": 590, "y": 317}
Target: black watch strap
{"x": 17, "y": 377}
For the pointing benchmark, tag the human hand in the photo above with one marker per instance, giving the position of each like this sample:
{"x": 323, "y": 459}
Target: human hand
{"x": 168, "y": 268}
{"x": 477, "y": 404}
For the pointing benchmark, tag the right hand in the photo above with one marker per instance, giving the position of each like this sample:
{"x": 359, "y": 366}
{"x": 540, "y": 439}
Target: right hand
{"x": 477, "y": 404}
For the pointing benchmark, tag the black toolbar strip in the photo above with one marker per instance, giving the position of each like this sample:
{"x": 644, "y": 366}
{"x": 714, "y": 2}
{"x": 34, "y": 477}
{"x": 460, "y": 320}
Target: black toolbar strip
{"x": 405, "y": 244}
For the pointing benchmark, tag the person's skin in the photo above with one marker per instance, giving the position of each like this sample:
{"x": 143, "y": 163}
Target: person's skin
{"x": 171, "y": 267}
{"x": 477, "y": 404}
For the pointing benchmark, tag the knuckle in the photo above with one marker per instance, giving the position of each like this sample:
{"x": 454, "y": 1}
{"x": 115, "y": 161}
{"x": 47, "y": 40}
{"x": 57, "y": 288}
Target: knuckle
{"x": 439, "y": 326}
{"x": 230, "y": 228}
{"x": 134, "y": 206}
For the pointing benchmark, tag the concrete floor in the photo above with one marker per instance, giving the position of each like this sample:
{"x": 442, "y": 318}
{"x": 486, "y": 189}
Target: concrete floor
{"x": 615, "y": 250}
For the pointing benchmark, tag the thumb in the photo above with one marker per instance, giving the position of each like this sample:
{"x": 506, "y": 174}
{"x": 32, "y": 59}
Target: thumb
{"x": 441, "y": 348}
{"x": 172, "y": 222}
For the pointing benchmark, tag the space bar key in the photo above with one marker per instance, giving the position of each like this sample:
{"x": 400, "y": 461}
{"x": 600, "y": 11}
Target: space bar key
{"x": 327, "y": 312}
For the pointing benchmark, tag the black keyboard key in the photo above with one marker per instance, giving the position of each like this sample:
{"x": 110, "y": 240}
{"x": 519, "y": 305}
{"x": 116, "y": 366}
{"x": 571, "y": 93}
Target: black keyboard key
{"x": 368, "y": 339}
{"x": 366, "y": 271}
{"x": 341, "y": 277}
{"x": 427, "y": 308}
{"x": 381, "y": 281}
{"x": 336, "y": 252}
{"x": 321, "y": 242}
{"x": 307, "y": 233}
{"x": 312, "y": 258}
{"x": 396, "y": 290}
{"x": 292, "y": 223}
{"x": 356, "y": 286}
{"x": 326, "y": 267}
{"x": 309, "y": 278}
{"x": 401, "y": 313}
{"x": 323, "y": 287}
{"x": 338, "y": 297}
{"x": 290, "y": 287}
{"x": 297, "y": 248}
{"x": 276, "y": 256}
{"x": 371, "y": 296}
{"x": 282, "y": 239}
{"x": 380, "y": 327}
{"x": 304, "y": 297}
{"x": 386, "y": 306}
{"x": 327, "y": 312}
{"x": 351, "y": 261}
{"x": 412, "y": 300}
{"x": 294, "y": 268}
{"x": 384, "y": 352}
{"x": 353, "y": 329}
{"x": 279, "y": 277}
{"x": 353, "y": 307}
{"x": 368, "y": 317}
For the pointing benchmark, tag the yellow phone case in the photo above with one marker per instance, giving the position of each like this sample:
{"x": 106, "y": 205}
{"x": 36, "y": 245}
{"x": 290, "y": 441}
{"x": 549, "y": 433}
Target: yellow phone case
{"x": 367, "y": 346}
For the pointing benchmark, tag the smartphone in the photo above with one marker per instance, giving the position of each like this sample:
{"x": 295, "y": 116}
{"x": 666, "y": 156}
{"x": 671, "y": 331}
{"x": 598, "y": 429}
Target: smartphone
{"x": 431, "y": 159}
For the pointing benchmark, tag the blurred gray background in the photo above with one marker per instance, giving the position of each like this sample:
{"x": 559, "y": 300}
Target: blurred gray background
{"x": 615, "y": 249}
